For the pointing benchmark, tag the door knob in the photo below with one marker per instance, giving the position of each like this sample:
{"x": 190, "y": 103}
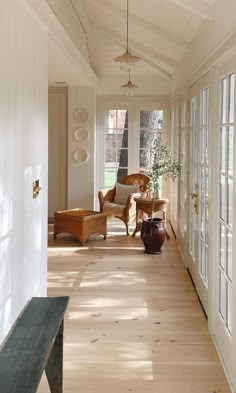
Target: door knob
{"x": 193, "y": 194}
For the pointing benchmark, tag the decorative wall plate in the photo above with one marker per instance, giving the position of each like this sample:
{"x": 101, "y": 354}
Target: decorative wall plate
{"x": 81, "y": 115}
{"x": 80, "y": 134}
{"x": 80, "y": 155}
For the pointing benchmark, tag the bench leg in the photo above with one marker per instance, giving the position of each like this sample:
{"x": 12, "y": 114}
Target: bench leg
{"x": 54, "y": 367}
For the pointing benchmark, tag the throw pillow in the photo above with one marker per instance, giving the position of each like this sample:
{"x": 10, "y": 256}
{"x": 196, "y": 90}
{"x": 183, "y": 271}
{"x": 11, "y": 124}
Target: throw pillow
{"x": 123, "y": 191}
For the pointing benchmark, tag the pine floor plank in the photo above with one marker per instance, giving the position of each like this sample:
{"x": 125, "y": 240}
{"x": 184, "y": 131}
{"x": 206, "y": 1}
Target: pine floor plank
{"x": 134, "y": 322}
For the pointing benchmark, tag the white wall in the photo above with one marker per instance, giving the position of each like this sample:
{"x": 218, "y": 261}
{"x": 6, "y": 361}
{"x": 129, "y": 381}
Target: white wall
{"x": 23, "y": 159}
{"x": 81, "y": 121}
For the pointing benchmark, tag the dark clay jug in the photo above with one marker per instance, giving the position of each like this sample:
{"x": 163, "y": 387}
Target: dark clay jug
{"x": 153, "y": 235}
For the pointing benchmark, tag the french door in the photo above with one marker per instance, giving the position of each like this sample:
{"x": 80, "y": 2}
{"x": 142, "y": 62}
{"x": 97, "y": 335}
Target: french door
{"x": 199, "y": 189}
{"x": 223, "y": 328}
{"x": 126, "y": 131}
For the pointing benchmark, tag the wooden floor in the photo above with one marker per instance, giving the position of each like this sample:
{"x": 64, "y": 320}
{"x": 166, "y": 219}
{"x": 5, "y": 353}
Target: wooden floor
{"x": 134, "y": 322}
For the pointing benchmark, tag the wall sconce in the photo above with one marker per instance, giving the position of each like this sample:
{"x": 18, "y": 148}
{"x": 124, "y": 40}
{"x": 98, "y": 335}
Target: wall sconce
{"x": 36, "y": 188}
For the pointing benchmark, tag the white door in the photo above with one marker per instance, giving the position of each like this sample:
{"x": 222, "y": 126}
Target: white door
{"x": 198, "y": 189}
{"x": 225, "y": 220}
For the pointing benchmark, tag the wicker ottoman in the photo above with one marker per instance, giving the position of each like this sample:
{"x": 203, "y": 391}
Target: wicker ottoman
{"x": 81, "y": 223}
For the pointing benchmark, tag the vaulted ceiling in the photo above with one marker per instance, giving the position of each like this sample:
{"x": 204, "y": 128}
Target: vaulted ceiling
{"x": 160, "y": 31}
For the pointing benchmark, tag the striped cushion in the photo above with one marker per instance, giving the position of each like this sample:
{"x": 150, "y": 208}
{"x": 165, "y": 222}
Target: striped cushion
{"x": 123, "y": 191}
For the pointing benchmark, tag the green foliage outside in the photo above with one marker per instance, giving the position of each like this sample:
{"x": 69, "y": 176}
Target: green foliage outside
{"x": 162, "y": 167}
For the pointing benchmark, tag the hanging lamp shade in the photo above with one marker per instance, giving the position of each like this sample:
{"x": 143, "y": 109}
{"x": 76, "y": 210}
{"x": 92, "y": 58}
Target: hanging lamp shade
{"x": 127, "y": 60}
{"x": 129, "y": 88}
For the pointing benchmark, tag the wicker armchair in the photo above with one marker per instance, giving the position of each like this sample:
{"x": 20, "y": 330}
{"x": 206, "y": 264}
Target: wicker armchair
{"x": 127, "y": 211}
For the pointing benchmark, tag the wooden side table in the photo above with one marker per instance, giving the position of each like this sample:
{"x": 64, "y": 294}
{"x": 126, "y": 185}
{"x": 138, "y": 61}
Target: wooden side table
{"x": 144, "y": 205}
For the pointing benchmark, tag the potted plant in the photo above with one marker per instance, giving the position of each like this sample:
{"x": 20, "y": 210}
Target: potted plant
{"x": 162, "y": 167}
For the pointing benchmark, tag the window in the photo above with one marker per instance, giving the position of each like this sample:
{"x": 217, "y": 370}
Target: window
{"x": 126, "y": 132}
{"x": 116, "y": 146}
{"x": 203, "y": 185}
{"x": 151, "y": 126}
{"x": 226, "y": 136}
{"x": 183, "y": 174}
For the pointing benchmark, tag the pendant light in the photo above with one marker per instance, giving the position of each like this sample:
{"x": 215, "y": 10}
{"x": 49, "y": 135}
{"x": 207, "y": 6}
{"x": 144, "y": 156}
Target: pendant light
{"x": 129, "y": 87}
{"x": 127, "y": 60}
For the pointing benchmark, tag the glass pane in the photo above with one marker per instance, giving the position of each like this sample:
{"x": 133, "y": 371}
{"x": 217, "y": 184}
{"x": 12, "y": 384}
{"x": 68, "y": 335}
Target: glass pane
{"x": 222, "y": 294}
{"x": 122, "y": 138}
{"x": 231, "y": 97}
{"x": 122, "y": 119}
{"x": 122, "y": 158}
{"x": 110, "y": 118}
{"x": 202, "y": 182}
{"x": 122, "y": 172}
{"x": 110, "y": 148}
{"x": 202, "y": 262}
{"x": 229, "y": 255}
{"x": 158, "y": 135}
{"x": 207, "y": 105}
{"x": 229, "y": 308}
{"x": 110, "y": 177}
{"x": 183, "y": 114}
{"x": 206, "y": 265}
{"x": 202, "y": 223}
{"x": 151, "y": 119}
{"x": 190, "y": 237}
{"x": 230, "y": 151}
{"x": 144, "y": 160}
{"x": 145, "y": 138}
{"x": 222, "y": 246}
{"x": 203, "y": 105}
{"x": 222, "y": 149}
{"x": 206, "y": 225}
{"x": 230, "y": 203}
{"x": 202, "y": 144}
{"x": 206, "y": 185}
{"x": 222, "y": 198}
{"x": 224, "y": 100}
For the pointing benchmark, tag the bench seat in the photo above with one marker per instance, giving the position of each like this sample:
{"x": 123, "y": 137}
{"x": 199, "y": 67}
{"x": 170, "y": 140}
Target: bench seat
{"x": 34, "y": 343}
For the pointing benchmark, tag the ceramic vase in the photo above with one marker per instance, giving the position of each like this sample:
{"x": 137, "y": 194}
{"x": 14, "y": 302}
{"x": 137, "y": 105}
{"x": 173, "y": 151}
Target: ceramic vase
{"x": 153, "y": 235}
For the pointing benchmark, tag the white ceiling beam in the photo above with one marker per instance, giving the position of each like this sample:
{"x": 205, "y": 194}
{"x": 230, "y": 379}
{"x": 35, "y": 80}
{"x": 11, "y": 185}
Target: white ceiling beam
{"x": 196, "y": 7}
{"x": 156, "y": 67}
{"x": 120, "y": 40}
{"x": 139, "y": 21}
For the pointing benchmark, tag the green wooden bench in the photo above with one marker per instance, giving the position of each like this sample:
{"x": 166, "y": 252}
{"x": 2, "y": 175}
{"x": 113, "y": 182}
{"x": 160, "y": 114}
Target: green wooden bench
{"x": 34, "y": 344}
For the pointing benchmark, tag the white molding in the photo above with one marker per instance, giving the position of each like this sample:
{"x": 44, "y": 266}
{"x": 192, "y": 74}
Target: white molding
{"x": 160, "y": 70}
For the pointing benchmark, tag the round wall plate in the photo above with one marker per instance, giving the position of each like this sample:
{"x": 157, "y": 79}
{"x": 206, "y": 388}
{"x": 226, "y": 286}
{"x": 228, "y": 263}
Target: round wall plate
{"x": 81, "y": 115}
{"x": 80, "y": 134}
{"x": 80, "y": 155}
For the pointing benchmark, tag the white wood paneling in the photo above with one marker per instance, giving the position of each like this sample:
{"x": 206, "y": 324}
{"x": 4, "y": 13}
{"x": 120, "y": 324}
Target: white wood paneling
{"x": 81, "y": 115}
{"x": 57, "y": 151}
